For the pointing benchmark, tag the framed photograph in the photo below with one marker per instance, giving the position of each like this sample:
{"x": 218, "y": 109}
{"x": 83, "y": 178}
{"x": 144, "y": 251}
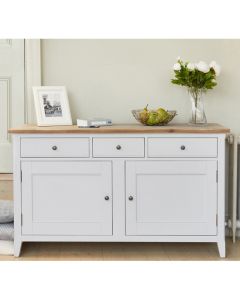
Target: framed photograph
{"x": 52, "y": 106}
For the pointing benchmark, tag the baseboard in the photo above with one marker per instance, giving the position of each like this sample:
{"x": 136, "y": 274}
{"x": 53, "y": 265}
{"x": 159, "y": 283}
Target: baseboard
{"x": 6, "y": 176}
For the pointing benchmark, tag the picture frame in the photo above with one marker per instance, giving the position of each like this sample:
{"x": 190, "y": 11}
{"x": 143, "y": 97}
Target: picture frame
{"x": 52, "y": 105}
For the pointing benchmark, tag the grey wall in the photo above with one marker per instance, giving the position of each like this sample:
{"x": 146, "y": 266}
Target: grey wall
{"x": 108, "y": 78}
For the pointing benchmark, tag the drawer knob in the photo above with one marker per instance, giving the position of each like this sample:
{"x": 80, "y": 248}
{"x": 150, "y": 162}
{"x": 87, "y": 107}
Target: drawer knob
{"x": 118, "y": 147}
{"x": 130, "y": 198}
{"x": 106, "y": 198}
{"x": 54, "y": 147}
{"x": 183, "y": 147}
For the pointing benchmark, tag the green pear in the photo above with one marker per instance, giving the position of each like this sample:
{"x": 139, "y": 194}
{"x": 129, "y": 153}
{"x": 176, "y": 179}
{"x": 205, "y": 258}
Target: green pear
{"x": 144, "y": 114}
{"x": 153, "y": 118}
{"x": 162, "y": 114}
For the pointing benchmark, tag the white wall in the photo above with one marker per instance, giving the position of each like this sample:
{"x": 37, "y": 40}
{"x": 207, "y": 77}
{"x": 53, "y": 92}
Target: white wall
{"x": 108, "y": 78}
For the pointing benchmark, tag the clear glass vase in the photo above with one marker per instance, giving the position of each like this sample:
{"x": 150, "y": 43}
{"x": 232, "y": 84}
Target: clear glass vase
{"x": 198, "y": 116}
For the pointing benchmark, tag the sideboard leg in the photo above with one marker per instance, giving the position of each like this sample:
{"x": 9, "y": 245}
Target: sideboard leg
{"x": 17, "y": 247}
{"x": 222, "y": 249}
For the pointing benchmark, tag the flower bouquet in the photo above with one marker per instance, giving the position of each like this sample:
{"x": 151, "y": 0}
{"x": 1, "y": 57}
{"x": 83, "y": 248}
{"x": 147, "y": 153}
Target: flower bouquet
{"x": 198, "y": 78}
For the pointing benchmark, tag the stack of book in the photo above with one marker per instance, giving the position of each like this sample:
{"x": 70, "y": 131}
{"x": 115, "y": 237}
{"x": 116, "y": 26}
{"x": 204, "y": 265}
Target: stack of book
{"x": 93, "y": 123}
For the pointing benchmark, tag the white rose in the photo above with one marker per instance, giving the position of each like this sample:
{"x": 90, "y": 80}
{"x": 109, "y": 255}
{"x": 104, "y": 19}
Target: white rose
{"x": 178, "y": 58}
{"x": 203, "y": 67}
{"x": 177, "y": 67}
{"x": 191, "y": 66}
{"x": 216, "y": 67}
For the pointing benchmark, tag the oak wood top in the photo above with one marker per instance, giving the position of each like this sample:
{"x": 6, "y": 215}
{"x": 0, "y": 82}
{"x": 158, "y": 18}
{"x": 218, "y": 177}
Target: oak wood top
{"x": 121, "y": 128}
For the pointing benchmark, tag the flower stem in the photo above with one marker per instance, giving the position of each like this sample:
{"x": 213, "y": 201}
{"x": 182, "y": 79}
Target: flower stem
{"x": 194, "y": 92}
{"x": 196, "y": 103}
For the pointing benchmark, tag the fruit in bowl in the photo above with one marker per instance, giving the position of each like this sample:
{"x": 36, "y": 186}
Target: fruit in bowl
{"x": 157, "y": 117}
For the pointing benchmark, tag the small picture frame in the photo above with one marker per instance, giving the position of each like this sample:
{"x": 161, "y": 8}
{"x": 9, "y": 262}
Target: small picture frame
{"x": 52, "y": 106}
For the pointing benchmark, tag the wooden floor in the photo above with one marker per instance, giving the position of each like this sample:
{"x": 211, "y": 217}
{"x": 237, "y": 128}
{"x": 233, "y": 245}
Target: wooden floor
{"x": 125, "y": 251}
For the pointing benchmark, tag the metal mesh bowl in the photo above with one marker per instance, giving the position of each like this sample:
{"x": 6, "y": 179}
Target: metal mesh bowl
{"x": 171, "y": 113}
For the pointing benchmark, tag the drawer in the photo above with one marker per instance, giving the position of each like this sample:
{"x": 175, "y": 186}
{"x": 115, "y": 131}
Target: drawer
{"x": 118, "y": 147}
{"x": 55, "y": 147}
{"x": 182, "y": 147}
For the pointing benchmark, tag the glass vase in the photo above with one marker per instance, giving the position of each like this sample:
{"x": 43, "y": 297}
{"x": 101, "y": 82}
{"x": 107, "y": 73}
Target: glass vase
{"x": 198, "y": 116}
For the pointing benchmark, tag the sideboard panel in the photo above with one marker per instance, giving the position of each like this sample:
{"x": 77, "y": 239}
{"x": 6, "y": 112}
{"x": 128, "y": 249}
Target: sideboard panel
{"x": 171, "y": 198}
{"x": 66, "y": 198}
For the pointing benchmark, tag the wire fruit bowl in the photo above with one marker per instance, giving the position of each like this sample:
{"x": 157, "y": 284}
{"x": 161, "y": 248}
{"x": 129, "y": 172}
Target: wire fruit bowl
{"x": 171, "y": 115}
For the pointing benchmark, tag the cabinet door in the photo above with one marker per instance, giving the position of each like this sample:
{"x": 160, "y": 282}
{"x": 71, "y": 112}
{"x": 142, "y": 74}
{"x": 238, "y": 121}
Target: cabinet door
{"x": 171, "y": 198}
{"x": 66, "y": 198}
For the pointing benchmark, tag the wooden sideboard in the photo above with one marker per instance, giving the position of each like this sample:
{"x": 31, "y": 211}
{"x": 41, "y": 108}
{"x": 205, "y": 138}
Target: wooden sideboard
{"x": 124, "y": 183}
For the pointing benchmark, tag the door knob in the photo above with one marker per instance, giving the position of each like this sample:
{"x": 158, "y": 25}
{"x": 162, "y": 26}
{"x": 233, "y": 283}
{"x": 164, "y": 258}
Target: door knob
{"x": 107, "y": 198}
{"x": 54, "y": 147}
{"x": 118, "y": 147}
{"x": 183, "y": 147}
{"x": 130, "y": 198}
